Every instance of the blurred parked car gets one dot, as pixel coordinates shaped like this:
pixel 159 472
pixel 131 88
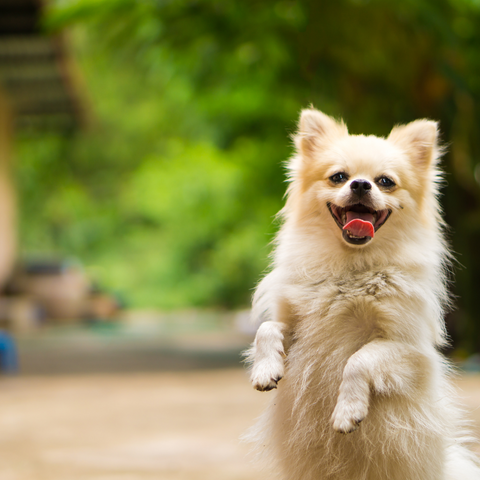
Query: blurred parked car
pixel 53 290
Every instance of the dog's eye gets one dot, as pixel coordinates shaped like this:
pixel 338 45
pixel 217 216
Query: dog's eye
pixel 385 182
pixel 339 177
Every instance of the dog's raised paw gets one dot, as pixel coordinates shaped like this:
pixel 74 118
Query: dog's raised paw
pixel 347 416
pixel 266 386
pixel 266 375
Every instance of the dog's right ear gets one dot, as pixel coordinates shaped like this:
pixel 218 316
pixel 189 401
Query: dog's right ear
pixel 315 131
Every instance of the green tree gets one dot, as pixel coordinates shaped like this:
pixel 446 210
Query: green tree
pixel 173 188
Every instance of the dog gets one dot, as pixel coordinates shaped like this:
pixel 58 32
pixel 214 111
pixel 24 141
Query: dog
pixel 353 311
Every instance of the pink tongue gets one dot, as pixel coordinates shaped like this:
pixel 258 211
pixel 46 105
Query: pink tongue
pixel 360 224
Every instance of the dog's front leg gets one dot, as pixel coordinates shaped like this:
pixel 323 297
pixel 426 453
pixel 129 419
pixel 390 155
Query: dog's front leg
pixel 267 354
pixel 381 367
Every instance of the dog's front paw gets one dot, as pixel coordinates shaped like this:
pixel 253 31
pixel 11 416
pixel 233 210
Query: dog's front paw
pixel 268 354
pixel 267 373
pixel 348 415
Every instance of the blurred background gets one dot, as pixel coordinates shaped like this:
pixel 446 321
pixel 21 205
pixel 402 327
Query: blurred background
pixel 141 150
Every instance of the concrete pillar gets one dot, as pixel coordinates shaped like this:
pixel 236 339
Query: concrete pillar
pixel 8 208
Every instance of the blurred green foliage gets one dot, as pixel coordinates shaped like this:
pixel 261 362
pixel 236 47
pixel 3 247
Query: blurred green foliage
pixel 171 191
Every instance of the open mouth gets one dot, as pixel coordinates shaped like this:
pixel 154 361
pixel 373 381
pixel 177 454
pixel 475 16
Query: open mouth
pixel 358 222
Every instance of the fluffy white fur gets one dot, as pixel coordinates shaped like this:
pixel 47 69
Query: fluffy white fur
pixel 354 329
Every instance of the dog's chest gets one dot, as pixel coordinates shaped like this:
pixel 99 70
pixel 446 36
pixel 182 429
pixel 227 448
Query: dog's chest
pixel 365 285
pixel 335 318
pixel 345 291
pixel 353 307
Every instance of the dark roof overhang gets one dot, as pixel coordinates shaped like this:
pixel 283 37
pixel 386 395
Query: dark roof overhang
pixel 35 71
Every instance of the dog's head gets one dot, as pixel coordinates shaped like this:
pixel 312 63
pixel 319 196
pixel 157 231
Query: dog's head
pixel 357 185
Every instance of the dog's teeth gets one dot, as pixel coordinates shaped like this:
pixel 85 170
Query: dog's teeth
pixel 352 236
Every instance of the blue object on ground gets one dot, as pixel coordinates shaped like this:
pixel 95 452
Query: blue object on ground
pixel 472 363
pixel 8 354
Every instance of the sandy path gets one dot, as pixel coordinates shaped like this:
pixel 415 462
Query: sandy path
pixel 168 426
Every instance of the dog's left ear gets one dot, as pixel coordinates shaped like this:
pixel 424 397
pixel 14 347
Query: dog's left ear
pixel 420 140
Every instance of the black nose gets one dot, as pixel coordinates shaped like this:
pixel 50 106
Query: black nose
pixel 360 187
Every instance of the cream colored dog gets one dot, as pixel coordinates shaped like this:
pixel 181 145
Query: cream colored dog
pixel 355 305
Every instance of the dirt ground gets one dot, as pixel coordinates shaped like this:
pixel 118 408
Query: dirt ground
pixel 168 426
